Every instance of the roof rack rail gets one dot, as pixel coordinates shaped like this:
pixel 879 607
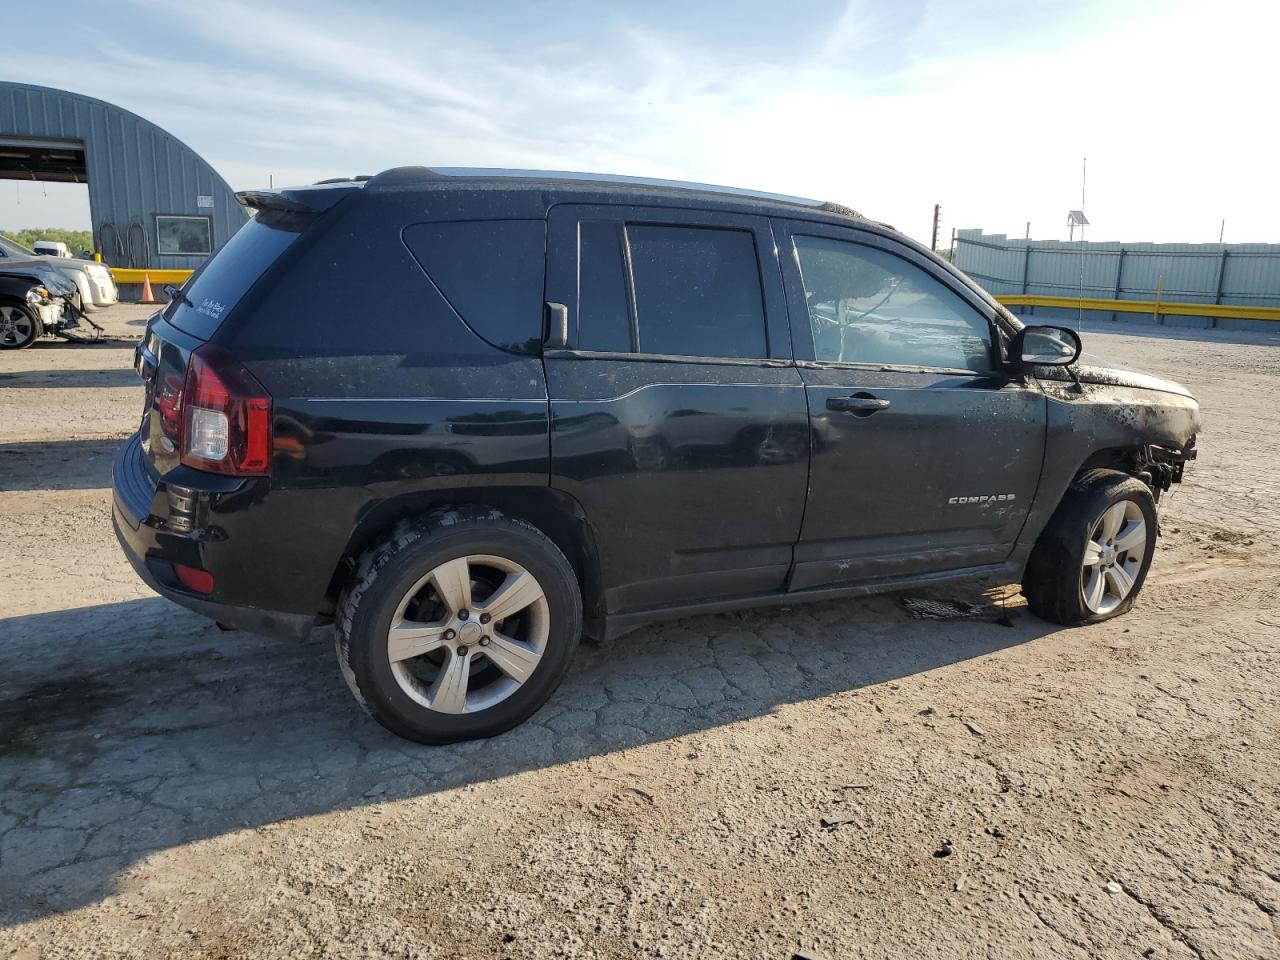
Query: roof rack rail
pixel 402 176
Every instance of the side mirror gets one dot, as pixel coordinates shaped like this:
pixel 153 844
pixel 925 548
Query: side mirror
pixel 1046 346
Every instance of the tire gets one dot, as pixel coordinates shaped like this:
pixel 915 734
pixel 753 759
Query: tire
pixel 506 667
pixel 1076 571
pixel 20 327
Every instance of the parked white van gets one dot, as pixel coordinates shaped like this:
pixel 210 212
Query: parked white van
pixel 51 248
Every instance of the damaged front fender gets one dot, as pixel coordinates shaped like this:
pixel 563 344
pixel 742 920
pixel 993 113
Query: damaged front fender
pixel 1103 417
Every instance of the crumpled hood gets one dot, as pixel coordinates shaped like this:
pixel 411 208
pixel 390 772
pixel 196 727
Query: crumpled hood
pixel 1092 369
pixel 56 280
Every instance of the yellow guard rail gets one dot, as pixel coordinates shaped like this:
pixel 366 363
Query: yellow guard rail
pixel 1156 308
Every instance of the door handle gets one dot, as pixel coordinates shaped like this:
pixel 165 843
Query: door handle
pixel 860 404
pixel 557 334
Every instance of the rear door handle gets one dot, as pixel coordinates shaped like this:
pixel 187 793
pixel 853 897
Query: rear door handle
pixel 860 404
pixel 557 334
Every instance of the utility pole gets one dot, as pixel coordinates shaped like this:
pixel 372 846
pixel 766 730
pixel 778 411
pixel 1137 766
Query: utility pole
pixel 1028 229
pixel 1222 230
pixel 937 214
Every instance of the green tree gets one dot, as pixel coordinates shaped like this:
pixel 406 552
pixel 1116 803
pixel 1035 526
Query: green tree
pixel 76 240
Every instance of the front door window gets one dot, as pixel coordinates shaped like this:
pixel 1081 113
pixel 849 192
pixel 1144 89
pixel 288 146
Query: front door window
pixel 867 305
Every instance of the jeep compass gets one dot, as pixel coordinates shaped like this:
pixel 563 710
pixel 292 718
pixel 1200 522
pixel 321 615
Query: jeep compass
pixel 467 416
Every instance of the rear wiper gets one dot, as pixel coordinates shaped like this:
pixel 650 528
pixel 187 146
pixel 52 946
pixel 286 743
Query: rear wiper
pixel 175 293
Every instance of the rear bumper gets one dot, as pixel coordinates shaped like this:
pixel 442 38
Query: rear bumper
pixel 152 549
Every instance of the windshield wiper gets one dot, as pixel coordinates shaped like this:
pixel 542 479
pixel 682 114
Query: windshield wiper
pixel 175 293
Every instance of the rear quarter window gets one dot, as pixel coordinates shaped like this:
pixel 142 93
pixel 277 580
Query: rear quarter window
pixel 222 280
pixel 491 272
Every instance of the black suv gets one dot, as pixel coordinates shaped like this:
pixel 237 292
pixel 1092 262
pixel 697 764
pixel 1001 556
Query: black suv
pixel 469 415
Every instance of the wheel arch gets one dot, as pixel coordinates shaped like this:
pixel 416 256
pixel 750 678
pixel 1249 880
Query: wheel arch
pixel 1057 480
pixel 555 513
pixel 1125 459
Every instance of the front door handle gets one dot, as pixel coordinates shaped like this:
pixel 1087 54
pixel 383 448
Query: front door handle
pixel 860 404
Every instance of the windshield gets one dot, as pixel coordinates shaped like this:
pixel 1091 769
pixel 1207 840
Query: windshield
pixel 12 249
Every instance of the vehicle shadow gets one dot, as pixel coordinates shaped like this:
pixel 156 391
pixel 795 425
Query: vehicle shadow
pixel 126 728
pixel 57 464
pixel 63 379
pixel 114 340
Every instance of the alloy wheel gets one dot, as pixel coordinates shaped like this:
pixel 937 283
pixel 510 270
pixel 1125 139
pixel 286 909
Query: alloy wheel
pixel 1113 556
pixel 16 326
pixel 468 634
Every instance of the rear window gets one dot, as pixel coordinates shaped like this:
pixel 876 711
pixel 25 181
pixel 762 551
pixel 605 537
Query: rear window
pixel 224 278
pixel 491 273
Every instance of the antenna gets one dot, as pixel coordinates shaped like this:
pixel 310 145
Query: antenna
pixel 1084 180
pixel 1077 218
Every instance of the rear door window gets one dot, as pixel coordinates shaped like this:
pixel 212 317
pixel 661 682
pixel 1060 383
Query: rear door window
pixel 604 310
pixel 697 291
pixel 491 272
pixel 224 279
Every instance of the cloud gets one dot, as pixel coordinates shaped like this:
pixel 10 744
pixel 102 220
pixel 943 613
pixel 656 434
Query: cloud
pixel 985 106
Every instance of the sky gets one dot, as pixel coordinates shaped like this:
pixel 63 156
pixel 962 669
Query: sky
pixel 986 107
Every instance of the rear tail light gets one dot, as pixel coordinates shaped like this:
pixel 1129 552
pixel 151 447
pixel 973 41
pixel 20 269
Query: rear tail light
pixel 227 426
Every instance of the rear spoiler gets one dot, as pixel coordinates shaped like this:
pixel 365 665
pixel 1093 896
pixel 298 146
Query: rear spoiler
pixel 312 199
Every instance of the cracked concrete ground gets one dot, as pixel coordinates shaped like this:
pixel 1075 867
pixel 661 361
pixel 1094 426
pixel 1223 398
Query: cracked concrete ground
pixel 869 778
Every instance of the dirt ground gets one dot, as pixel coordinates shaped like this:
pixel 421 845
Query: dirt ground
pixel 878 778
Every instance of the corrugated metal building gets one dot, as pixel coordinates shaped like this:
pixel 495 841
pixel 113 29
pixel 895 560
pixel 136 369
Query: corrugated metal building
pixel 1242 274
pixel 154 202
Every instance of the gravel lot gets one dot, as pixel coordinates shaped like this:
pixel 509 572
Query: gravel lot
pixel 880 778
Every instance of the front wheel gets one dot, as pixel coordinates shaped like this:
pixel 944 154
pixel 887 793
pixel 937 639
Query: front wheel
pixel 1092 558
pixel 19 327
pixel 460 626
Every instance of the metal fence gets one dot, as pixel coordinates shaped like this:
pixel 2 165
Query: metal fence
pixel 1245 275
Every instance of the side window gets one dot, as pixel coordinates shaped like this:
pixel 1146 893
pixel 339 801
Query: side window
pixel 697 291
pixel 868 306
pixel 604 316
pixel 491 272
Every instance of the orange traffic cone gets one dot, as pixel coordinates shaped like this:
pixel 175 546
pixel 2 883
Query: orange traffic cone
pixel 147 296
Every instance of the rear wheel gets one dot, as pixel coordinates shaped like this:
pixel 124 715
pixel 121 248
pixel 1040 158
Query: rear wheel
pixel 459 627
pixel 1092 559
pixel 19 326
